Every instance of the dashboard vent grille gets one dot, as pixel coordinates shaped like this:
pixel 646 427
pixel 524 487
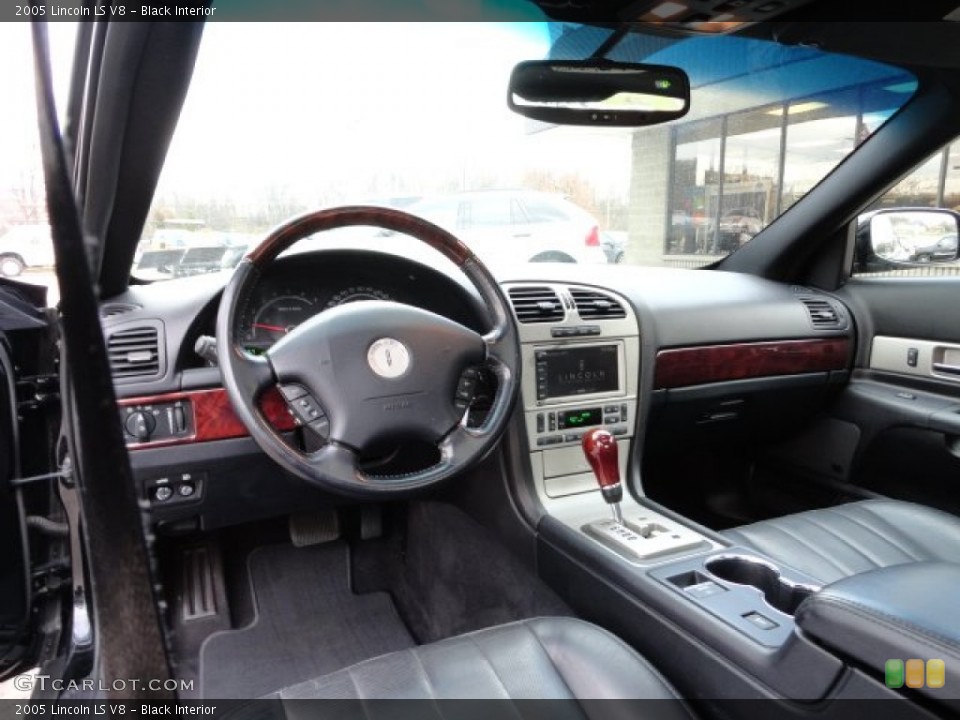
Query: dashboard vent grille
pixel 823 315
pixel 597 306
pixel 536 304
pixel 134 353
pixel 113 309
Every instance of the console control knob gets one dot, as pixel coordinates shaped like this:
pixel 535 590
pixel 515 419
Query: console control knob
pixel 141 425
pixel 600 447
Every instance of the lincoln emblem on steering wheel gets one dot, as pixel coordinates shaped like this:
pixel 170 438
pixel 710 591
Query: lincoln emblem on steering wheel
pixel 388 358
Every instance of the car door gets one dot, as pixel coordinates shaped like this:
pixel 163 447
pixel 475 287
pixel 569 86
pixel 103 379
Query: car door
pixel 32 565
pixel 895 429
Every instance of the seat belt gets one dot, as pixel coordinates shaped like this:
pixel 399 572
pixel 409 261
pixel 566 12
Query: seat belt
pixel 116 539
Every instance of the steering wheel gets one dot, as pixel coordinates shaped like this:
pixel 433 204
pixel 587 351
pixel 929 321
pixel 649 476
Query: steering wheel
pixel 365 371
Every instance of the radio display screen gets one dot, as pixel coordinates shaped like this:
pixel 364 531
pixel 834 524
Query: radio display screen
pixel 572 371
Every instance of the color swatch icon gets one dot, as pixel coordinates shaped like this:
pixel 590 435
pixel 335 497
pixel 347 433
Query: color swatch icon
pixel 936 674
pixel 894 673
pixel 914 673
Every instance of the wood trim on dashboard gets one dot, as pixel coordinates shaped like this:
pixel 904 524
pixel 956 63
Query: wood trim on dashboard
pixel 212 415
pixel 680 367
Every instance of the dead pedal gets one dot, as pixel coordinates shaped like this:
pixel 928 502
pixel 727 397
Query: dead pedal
pixel 314 528
pixel 201 584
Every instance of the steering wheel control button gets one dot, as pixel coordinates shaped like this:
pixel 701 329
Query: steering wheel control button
pixel 321 427
pixel 292 392
pixel 466 389
pixel 388 358
pixel 306 410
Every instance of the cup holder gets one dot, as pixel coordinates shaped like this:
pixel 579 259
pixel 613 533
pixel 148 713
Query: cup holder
pixel 779 592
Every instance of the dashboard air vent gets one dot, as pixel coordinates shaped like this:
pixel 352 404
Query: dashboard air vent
pixel 596 306
pixel 823 315
pixel 113 309
pixel 536 304
pixel 134 353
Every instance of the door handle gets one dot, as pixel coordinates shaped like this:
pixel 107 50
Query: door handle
pixel 946 368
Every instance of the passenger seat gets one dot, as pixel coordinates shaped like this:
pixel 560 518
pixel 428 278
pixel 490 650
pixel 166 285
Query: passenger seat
pixel 838 542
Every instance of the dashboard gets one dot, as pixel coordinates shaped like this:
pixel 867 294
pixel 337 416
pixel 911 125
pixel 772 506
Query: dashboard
pixel 639 350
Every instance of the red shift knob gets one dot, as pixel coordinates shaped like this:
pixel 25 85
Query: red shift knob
pixel 600 447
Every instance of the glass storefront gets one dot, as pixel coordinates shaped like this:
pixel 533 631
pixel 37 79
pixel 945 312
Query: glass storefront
pixel 733 175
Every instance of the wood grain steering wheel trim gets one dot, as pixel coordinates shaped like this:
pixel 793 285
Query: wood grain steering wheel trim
pixel 290 232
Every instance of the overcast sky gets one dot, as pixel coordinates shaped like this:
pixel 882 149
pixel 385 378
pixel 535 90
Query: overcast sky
pixel 18 117
pixel 332 112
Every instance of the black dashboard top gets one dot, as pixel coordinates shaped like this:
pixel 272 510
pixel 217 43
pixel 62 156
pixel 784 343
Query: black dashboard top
pixel 676 308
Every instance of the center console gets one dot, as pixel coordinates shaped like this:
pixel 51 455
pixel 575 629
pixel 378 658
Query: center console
pixel 678 592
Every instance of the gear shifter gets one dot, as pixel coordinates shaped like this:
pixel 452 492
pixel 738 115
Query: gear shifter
pixel 600 447
pixel 644 534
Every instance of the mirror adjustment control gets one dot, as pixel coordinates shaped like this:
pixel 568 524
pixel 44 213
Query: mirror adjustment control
pixel 176 489
pixel 162 493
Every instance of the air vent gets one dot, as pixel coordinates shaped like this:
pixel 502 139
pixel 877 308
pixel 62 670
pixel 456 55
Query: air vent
pixel 596 306
pixel 536 304
pixel 114 309
pixel 134 353
pixel 823 315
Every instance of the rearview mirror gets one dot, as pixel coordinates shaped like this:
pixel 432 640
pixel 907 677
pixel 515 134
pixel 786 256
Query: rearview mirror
pixel 900 237
pixel 598 92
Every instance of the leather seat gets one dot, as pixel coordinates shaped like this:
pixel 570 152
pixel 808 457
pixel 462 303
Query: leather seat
pixel 544 658
pixel 839 542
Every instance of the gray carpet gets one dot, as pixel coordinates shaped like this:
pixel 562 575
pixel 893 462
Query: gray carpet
pixel 308 623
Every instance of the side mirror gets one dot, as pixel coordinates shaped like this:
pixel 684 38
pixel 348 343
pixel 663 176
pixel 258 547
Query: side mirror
pixel 907 237
pixel 598 92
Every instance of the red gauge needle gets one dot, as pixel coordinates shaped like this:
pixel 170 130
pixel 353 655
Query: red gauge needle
pixel 272 328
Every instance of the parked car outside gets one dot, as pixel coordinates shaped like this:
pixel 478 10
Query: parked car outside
pixel 24 246
pixel 738 227
pixel 517 225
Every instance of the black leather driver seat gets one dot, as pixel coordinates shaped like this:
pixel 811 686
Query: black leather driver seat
pixel 839 542
pixel 543 658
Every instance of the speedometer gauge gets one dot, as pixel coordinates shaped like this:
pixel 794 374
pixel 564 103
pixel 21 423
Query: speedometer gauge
pixel 278 317
pixel 356 293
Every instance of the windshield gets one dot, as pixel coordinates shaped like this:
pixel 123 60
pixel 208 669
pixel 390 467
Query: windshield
pixel 284 118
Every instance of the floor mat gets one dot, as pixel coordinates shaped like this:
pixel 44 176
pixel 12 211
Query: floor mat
pixel 449 575
pixel 308 623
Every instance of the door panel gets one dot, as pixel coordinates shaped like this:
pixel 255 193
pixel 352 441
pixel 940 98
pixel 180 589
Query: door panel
pixel 905 394
pixel 14 579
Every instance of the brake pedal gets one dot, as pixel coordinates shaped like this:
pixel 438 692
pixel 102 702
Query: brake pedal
pixel 371 522
pixel 314 528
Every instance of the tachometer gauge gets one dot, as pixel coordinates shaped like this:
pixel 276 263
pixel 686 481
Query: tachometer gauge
pixel 356 293
pixel 277 317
